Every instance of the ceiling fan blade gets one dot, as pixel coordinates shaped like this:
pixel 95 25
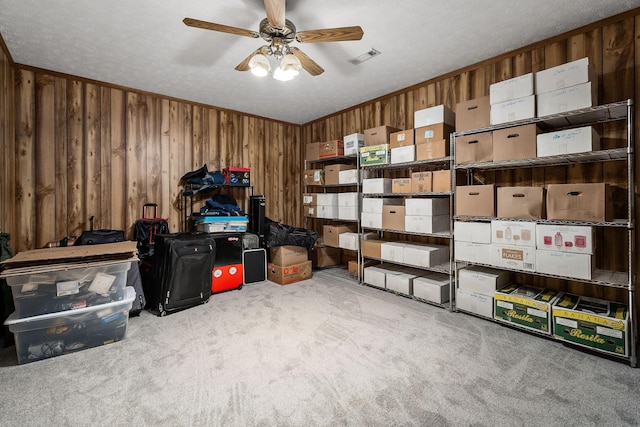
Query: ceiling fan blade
pixel 275 12
pixel 219 27
pixel 244 65
pixel 330 35
pixel 307 63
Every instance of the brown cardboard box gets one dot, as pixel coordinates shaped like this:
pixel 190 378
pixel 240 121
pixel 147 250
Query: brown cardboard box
pixel 476 200
pixel 325 256
pixel 372 248
pixel 331 233
pixel 312 151
pixel 473 114
pixel 520 202
pixel 378 135
pixel 313 177
pixel 433 132
pixel 332 173
pixel 393 217
pixel 401 139
pixel 515 143
pixel 401 185
pixel 288 255
pixel 333 148
pixel 580 202
pixel 310 211
pixel 441 181
pixel 353 267
pixel 474 148
pixel 421 182
pixel 432 149
pixel 310 199
pixel 289 274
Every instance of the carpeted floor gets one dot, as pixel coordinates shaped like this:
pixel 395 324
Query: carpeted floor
pixel 323 352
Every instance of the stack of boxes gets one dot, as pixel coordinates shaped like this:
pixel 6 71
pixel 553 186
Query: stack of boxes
pixel 288 264
pixel 567 87
pixel 476 288
pixel 426 215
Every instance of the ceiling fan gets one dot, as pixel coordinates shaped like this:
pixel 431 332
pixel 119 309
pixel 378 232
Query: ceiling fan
pixel 279 32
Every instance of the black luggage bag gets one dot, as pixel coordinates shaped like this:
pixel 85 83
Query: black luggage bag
pixel 146 229
pixel 97 237
pixel 181 272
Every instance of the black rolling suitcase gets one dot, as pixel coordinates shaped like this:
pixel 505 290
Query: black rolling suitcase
pixel 181 271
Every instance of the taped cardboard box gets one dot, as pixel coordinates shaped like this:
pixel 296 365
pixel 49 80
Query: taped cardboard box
pixel 441 181
pixel 331 233
pixel 476 200
pixel 310 211
pixel 288 255
pixel 378 135
pixel 325 256
pixel 332 173
pixel 525 306
pixel 432 150
pixel 433 132
pixel 476 148
pixel 353 267
pixel 312 151
pixel 285 275
pixel 313 177
pixel 580 202
pixel 421 182
pixel 330 149
pixel 310 199
pixel 520 202
pixel 393 218
pixel 401 139
pixel 372 248
pixel 515 143
pixel 401 185
pixel 473 114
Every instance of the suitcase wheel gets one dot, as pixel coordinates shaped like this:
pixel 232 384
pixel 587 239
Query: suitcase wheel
pixel 240 287
pixel 161 310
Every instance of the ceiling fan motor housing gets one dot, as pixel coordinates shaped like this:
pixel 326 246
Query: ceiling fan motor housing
pixel 268 32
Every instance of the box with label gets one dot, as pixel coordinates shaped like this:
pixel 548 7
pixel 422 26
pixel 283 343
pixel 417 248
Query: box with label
pixel 393 217
pixel 592 322
pixel 516 233
pixel 476 148
pixel 427 224
pixel 312 151
pixel 327 199
pixel 348 213
pixel 525 306
pixel 403 154
pixel 483 280
pixel 372 248
pixel 288 255
pixel 348 199
pixel 427 206
pixel 441 181
pixel 579 202
pixel 515 109
pixel 515 143
pixel 309 199
pixel 376 185
pixel 473 114
pixel 432 287
pixel 313 177
pixel 371 219
pixel 421 182
pixel 477 232
pixel 579 140
pixel 349 176
pixel 374 155
pixel 392 251
pixel 472 252
pixel 520 202
pixel 330 149
pixel 310 211
pixel 422 255
pixel 565 238
pixel 332 173
pixel 289 274
pixel 331 233
pixel 325 256
pixel 474 302
pixel 566 264
pixel 513 257
pixel 568 99
pixel 401 139
pixel 353 143
pixel 435 132
pixel 378 135
pixel 565 75
pixel 433 115
pixel 328 211
pixel 475 200
pixel 401 185
pixel 435 149
pixel 506 90
pixel 374 205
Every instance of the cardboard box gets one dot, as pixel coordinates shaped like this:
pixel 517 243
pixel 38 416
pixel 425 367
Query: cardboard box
pixel 401 139
pixel 378 135
pixel 473 114
pixel 579 202
pixel 435 149
pixel 433 115
pixel 376 186
pixel 441 181
pixel 310 211
pixel 330 149
pixel 309 199
pixel 425 255
pixel 516 109
pixel 312 151
pixel 353 143
pixel 349 176
pixel 483 280
pixel 371 219
pixel 433 132
pixel 328 211
pixel 288 255
pixel 332 173
pixel 348 213
pixel 403 154
pixel 516 233
pixel 351 241
pixel 374 155
pixel 313 177
pixel 517 87
pixel 565 75
pixel 476 232
pixel 426 224
pixel 421 182
pixel 592 322
pixel 331 233
pixel 525 306
pixel 476 148
pixel 374 205
pixel 327 199
pixel 353 267
pixel 428 207
pixel 401 185
pixel 392 251
pixel 566 264
pixel 579 140
pixel 473 302
pixel 520 202
pixel 325 256
pixel 433 287
pixel 401 282
pixel 393 218
pixel 348 199
pixel 289 274
pixel 377 275
pixel 568 99
pixel 472 252
pixel 565 238
pixel 475 200
pixel 515 143
pixel 372 248
pixel 513 257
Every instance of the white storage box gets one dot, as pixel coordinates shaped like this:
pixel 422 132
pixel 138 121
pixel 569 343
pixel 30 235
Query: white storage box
pixel 517 87
pixel 579 266
pixel 565 238
pixel 376 275
pixel 328 212
pixel 374 204
pixel 352 143
pixel 476 232
pixel 429 207
pixel 352 240
pixel 53 334
pixel 422 255
pixel 483 280
pixel 565 75
pixel 401 281
pixel 579 140
pixel 376 186
pixel 473 252
pixel 348 213
pixel 403 154
pixel 348 199
pixel 392 251
pixel 432 287
pixel 426 224
pixel 474 302
pixel 349 176
pixel 371 220
pixel 516 109
pixel 327 199
pixel 568 99
pixel 514 257
pixel 516 233
pixel 434 115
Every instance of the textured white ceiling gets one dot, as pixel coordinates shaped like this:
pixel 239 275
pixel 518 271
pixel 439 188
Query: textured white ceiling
pixel 143 44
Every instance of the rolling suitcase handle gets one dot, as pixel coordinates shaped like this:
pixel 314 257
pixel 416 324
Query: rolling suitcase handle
pixel 149 205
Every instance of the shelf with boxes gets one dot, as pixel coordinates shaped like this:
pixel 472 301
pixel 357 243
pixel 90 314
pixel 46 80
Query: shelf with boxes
pixel 556 231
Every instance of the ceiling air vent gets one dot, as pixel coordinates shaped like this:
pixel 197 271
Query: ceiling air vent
pixel 365 56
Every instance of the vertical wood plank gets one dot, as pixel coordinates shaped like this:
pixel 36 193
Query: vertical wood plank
pixel 105 157
pixel 118 155
pixel 91 122
pixel 164 202
pixel 76 184
pixel 136 143
pixel 154 153
pixel 45 160
pixel 61 158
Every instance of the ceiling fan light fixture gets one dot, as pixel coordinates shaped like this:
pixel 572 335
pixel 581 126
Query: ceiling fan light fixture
pixel 282 75
pixel 259 65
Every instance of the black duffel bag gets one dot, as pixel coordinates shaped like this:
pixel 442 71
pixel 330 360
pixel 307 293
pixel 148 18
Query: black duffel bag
pixel 98 237
pixel 278 234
